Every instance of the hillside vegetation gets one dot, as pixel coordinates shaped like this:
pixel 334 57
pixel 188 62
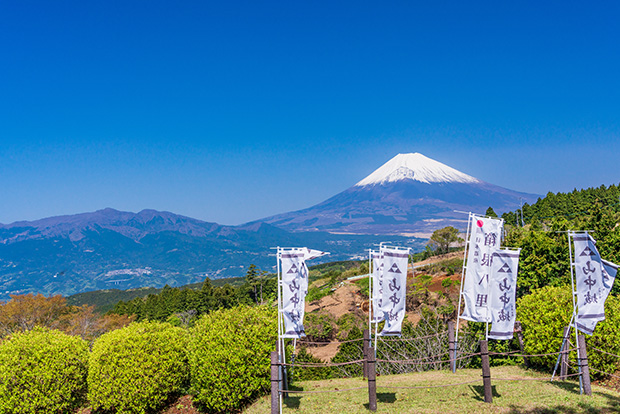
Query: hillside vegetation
pixel 105 300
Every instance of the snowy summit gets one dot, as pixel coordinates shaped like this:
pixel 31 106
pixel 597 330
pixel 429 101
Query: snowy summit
pixel 415 167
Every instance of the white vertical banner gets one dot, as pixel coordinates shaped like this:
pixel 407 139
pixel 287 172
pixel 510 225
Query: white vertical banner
pixel 609 271
pixel 377 285
pixel 309 254
pixel 395 262
pixel 484 240
pixel 293 293
pixel 594 279
pixel 294 274
pixel 503 293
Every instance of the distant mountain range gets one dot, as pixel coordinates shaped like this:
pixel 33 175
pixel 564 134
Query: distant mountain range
pixel 113 249
pixel 410 193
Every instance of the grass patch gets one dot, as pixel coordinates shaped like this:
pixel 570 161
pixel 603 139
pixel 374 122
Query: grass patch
pixel 513 397
pixel 448 266
pixel 362 284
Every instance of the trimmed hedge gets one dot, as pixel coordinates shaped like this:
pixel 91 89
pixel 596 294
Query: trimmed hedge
pixel 137 368
pixel 229 357
pixel 42 371
pixel 544 314
pixel 607 338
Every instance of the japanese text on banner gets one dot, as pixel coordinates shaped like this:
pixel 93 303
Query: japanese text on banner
pixel 395 264
pixel 484 241
pixel 503 293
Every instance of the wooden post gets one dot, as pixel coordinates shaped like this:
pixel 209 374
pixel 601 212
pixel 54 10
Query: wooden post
pixel 583 363
pixel 519 333
pixel 564 357
pixel 275 383
pixel 372 380
pixel 366 344
pixel 451 346
pixel 486 371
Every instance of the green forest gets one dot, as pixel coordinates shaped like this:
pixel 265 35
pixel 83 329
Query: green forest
pixel 543 237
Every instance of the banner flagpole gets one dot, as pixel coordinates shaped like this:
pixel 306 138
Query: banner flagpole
pixel 486 327
pixel 488 316
pixel 280 321
pixel 486 333
pixel 377 322
pixel 458 310
pixel 573 294
pixel 370 294
pixel 376 336
pixel 278 255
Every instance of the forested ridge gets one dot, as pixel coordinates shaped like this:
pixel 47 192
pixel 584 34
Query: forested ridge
pixel 105 300
pixel 567 205
pixel 542 234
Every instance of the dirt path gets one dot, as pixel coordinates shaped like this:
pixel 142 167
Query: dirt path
pixel 345 299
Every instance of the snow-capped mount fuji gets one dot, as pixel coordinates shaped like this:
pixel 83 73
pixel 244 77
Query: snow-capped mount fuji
pixel 410 193
pixel 415 167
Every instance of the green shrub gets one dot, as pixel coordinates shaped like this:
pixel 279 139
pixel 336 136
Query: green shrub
pixel 360 269
pixel 543 314
pixel 137 368
pixel 347 352
pixel 362 284
pixel 229 356
pixel 446 283
pixel 449 266
pixel 607 338
pixel 476 331
pixel 42 371
pixel 309 373
pixel 348 321
pixel 317 293
pixel 319 326
pixel 546 312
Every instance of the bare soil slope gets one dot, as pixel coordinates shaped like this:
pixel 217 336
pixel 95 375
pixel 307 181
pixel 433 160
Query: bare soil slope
pixel 347 298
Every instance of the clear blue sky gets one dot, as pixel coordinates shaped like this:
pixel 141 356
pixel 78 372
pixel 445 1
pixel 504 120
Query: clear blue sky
pixel 231 111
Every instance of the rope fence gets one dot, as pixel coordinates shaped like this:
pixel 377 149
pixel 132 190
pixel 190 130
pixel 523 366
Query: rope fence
pixel 424 359
pixel 531 355
pixel 321 391
pixel 417 338
pixel 330 342
pixel 545 379
pixel 603 372
pixel 440 359
pixel 427 386
pixel 326 364
pixel 605 352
